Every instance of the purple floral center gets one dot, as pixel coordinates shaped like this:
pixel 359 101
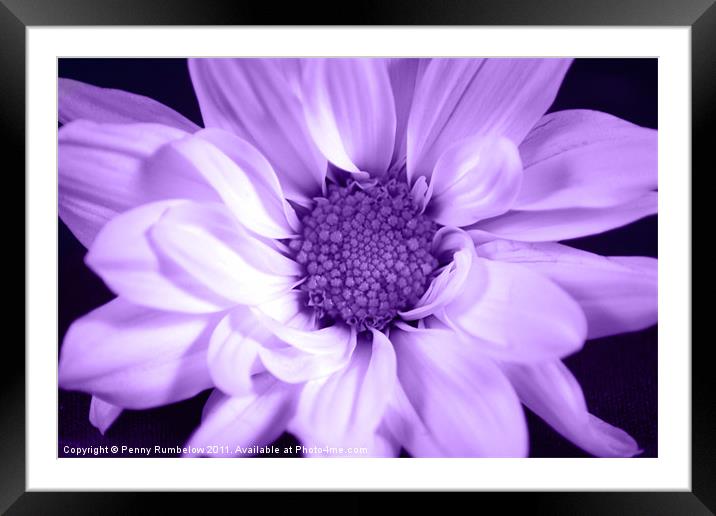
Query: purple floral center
pixel 366 253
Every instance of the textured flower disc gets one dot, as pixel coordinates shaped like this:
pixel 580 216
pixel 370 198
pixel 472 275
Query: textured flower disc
pixel 366 253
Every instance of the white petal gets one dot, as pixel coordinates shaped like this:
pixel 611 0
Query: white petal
pixel 207 243
pixel 563 224
pixel 464 400
pixel 79 100
pixel 291 365
pixel 288 309
pixel 256 419
pixel 134 357
pixel 325 340
pixel 587 159
pixel 103 414
pixel 552 392
pixel 617 294
pixel 126 259
pixel 404 75
pixel 350 112
pixel 260 171
pixel 247 342
pixel 515 314
pixel 259 100
pixel 404 422
pixel 295 351
pixel 233 352
pixel 194 168
pixel 456 98
pixel 474 179
pixel 450 282
pixel 346 408
pixel 99 167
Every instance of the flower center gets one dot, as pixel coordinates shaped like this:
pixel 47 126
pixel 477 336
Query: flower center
pixel 366 253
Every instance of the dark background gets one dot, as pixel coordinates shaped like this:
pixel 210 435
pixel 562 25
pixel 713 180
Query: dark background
pixel 618 374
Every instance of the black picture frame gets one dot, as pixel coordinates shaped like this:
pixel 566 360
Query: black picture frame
pixel 700 15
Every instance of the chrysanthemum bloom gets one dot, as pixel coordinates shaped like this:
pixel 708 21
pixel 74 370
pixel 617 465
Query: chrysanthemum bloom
pixel 361 252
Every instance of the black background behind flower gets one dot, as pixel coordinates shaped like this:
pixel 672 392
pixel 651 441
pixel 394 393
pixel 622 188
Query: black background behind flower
pixel 618 374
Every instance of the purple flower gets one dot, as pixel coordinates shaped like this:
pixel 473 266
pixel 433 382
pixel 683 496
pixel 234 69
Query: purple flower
pixel 361 252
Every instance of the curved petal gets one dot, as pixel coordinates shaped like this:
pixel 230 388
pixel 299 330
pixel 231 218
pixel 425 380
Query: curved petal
pixel 79 100
pixel 325 340
pixel 564 224
pixel 514 314
pixel 134 357
pixel 260 171
pixel 464 400
pixel 294 366
pixel 99 168
pixel 552 392
pixel 346 408
pixel 103 414
pixel 456 98
pixel 124 256
pixel 259 101
pixel 297 352
pixel 242 423
pixel 291 365
pixel 350 112
pixel 586 159
pixel 617 294
pixel 247 342
pixel 207 243
pixel 233 352
pixel 474 179
pixel 233 356
pixel 194 168
pixel 450 282
pixel 287 310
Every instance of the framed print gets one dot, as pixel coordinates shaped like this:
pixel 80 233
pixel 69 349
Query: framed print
pixel 436 250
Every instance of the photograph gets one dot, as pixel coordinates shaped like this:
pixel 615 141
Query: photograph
pixel 357 257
